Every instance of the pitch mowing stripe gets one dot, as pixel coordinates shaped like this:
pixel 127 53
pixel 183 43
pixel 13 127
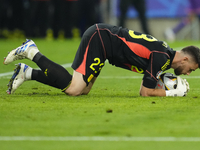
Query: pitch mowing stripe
pixel 100 138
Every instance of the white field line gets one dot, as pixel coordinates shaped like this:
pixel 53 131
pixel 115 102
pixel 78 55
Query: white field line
pixel 68 65
pixel 99 138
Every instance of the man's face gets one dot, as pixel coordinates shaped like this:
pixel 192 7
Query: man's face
pixel 178 71
pixel 186 68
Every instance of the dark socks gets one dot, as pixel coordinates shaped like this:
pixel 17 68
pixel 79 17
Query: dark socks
pixel 51 73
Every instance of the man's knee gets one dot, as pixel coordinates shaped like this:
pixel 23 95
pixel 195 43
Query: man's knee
pixel 73 92
pixel 77 85
pixel 76 92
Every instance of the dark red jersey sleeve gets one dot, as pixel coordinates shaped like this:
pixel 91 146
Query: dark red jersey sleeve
pixel 158 63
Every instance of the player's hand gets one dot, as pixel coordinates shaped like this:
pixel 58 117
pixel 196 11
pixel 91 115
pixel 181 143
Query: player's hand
pixel 187 85
pixel 182 85
pixel 181 90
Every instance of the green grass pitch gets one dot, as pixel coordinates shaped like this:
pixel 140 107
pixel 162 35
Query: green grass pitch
pixel 113 116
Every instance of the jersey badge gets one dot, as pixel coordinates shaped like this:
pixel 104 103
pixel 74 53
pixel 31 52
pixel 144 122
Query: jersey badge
pixel 158 74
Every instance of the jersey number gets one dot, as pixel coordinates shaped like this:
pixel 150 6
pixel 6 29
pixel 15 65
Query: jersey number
pixel 142 36
pixel 96 63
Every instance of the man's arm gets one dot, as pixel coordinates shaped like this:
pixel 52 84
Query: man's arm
pixel 151 92
pixel 181 90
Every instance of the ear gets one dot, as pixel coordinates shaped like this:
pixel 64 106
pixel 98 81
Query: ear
pixel 185 58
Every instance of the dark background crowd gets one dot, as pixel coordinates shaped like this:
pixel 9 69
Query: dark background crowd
pixel 47 18
pixel 61 19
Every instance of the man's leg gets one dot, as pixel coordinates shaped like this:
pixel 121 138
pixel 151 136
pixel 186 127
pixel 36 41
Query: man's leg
pixel 78 85
pixel 140 6
pixel 123 9
pixel 88 62
pixel 52 74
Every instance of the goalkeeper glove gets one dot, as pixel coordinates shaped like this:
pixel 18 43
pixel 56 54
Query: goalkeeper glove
pixel 181 90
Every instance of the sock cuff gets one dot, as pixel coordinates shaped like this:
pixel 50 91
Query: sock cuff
pixel 37 57
pixel 28 73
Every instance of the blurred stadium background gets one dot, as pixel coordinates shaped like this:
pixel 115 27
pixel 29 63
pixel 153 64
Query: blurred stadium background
pixel 54 19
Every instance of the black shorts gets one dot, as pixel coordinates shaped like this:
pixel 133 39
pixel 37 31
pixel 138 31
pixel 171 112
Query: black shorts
pixel 91 54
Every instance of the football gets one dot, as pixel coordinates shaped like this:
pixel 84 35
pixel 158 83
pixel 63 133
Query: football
pixel 167 81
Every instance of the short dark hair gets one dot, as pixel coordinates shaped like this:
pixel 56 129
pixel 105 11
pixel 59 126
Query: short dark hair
pixel 194 52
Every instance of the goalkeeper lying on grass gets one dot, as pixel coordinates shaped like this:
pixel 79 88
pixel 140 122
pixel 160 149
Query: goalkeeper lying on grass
pixel 123 48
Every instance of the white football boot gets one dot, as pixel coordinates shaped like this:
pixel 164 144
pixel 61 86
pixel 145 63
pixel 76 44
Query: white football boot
pixel 18 77
pixel 27 50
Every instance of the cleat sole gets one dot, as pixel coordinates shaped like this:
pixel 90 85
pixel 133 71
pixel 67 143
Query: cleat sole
pixel 16 72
